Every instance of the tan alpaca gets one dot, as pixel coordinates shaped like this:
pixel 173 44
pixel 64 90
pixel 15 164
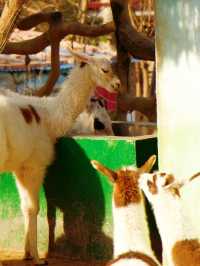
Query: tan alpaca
pixel 130 233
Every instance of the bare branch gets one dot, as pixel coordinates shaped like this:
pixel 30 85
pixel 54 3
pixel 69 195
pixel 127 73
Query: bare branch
pixel 31 46
pixel 55 62
pixel 37 44
pixel 54 74
pixel 129 41
pixel 146 106
pixel 57 31
pixel 136 43
pixel 36 19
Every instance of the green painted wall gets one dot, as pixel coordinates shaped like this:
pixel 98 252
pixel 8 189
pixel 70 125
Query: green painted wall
pixel 83 196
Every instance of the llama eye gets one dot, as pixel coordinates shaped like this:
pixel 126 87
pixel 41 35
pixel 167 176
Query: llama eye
pixel 105 70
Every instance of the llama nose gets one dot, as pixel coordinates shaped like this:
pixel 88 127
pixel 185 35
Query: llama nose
pixel 116 85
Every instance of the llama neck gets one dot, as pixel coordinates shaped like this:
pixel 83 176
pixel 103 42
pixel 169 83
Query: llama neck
pixel 71 101
pixel 130 229
pixel 173 223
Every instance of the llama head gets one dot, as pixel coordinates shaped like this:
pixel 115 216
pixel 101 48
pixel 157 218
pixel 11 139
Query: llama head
pixel 94 120
pixel 102 124
pixel 125 181
pixel 159 184
pixel 100 70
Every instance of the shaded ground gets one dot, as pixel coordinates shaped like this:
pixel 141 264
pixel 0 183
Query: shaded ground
pixel 15 259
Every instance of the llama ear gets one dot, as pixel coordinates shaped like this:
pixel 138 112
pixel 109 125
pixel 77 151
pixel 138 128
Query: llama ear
pixel 80 56
pixel 105 170
pixel 175 191
pixel 168 180
pixel 194 176
pixel 152 187
pixel 147 166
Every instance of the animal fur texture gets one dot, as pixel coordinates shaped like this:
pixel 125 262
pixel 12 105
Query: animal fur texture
pixel 130 232
pixel 30 126
pixel 181 246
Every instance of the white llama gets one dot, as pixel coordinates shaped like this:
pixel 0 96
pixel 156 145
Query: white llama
pixel 29 127
pixel 181 246
pixel 130 233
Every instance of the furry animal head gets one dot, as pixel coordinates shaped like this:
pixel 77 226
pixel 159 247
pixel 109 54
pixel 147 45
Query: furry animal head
pixel 101 70
pixel 157 184
pixel 160 183
pixel 102 122
pixel 125 181
pixel 94 120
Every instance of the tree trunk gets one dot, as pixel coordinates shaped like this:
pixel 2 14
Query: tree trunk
pixel 129 41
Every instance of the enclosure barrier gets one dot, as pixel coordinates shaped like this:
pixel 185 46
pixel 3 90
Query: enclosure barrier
pixel 84 218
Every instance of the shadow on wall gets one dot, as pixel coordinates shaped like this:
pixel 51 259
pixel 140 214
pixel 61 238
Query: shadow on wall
pixel 73 186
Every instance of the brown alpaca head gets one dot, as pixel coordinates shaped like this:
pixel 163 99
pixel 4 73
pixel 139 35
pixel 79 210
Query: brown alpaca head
pixel 125 181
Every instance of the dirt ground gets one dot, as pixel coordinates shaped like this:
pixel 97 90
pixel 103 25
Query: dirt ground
pixel 16 259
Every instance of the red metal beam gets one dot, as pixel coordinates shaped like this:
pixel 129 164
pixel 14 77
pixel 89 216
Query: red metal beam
pixel 96 5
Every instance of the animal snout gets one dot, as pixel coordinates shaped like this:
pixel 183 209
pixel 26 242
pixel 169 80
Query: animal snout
pixel 98 125
pixel 116 85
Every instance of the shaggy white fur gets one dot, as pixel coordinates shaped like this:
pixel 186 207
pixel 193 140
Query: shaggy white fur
pixel 29 127
pixel 172 220
pixel 130 232
pixel 129 262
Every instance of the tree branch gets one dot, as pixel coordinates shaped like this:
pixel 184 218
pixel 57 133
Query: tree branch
pixel 39 43
pixel 122 55
pixel 55 61
pixel 146 106
pixel 36 19
pixel 136 43
pixel 56 32
pixel 129 41
pixel 31 46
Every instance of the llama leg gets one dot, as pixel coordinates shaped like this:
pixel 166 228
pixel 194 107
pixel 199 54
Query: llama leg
pixel 29 193
pixel 27 255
